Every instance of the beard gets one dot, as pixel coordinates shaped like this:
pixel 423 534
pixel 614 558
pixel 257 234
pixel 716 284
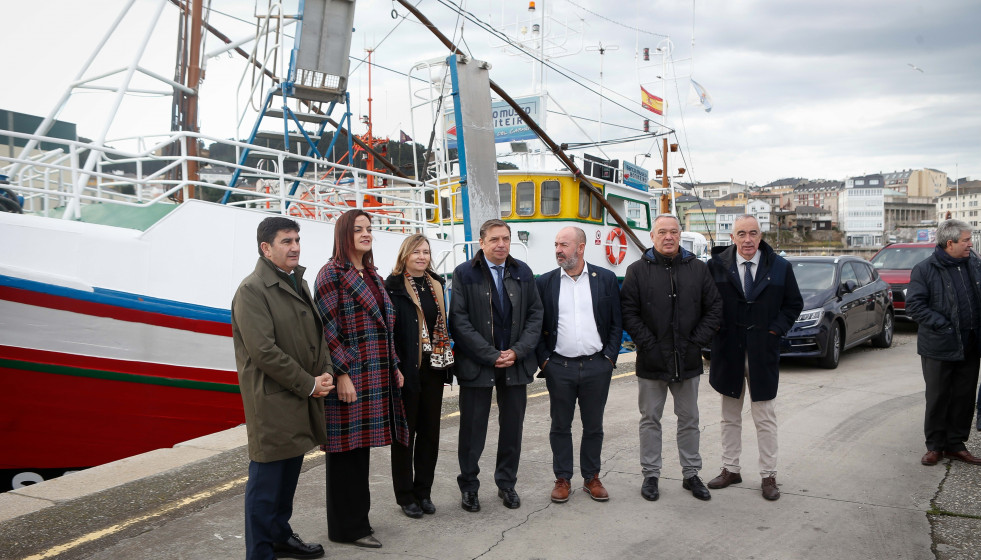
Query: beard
pixel 569 263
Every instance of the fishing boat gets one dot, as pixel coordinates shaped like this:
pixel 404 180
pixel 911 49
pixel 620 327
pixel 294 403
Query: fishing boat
pixel 116 281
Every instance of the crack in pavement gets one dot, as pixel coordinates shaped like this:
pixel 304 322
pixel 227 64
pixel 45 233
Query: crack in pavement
pixel 504 532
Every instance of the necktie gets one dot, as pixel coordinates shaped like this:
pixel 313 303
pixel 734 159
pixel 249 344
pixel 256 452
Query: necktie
pixel 748 279
pixel 293 281
pixel 499 270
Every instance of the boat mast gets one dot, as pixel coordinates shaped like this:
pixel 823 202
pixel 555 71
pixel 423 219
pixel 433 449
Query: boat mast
pixel 189 73
pixel 532 124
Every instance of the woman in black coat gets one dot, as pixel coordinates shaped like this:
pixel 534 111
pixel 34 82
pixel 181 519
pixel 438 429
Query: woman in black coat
pixel 423 347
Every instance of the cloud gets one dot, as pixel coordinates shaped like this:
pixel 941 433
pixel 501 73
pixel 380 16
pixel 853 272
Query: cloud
pixel 805 88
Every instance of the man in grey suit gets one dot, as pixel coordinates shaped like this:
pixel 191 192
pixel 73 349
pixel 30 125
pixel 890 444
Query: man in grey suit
pixel 284 372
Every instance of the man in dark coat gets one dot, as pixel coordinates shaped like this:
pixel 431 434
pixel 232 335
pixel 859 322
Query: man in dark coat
pixel 671 310
pixel 284 372
pixel 495 321
pixel 578 351
pixel 943 298
pixel 761 302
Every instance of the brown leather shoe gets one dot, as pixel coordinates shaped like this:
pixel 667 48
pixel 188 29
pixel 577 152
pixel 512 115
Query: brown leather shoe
pixel 560 494
pixel 931 458
pixel 769 486
pixel 595 489
pixel 725 479
pixel 962 456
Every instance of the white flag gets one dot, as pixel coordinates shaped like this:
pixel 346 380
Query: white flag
pixel 698 96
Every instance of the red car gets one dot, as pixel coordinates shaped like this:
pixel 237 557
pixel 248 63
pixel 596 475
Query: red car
pixel 894 262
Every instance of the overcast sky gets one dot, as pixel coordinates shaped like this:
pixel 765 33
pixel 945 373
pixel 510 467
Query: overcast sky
pixel 825 89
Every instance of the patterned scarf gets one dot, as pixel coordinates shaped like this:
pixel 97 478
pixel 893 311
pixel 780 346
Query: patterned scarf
pixel 437 345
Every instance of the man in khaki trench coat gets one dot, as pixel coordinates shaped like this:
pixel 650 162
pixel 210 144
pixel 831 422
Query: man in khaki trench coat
pixel 284 372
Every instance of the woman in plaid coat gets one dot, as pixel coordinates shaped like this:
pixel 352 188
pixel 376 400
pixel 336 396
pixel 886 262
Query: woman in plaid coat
pixel 366 409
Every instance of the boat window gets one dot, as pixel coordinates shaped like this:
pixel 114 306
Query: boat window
pixel 430 198
pixel 637 214
pixel 444 205
pixel 526 198
pixel 505 194
pixel 583 202
pixel 597 213
pixel 550 198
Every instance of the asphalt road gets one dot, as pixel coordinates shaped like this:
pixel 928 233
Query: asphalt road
pixel 849 473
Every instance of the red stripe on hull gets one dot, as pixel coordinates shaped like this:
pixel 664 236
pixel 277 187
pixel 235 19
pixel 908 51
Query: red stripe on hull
pixel 169 371
pixel 51 421
pixel 49 301
pixel 229 377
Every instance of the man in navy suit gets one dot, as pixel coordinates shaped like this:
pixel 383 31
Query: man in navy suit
pixel 578 350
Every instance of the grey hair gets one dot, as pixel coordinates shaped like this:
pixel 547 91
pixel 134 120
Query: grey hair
pixel 579 234
pixel 951 230
pixel 672 216
pixel 747 217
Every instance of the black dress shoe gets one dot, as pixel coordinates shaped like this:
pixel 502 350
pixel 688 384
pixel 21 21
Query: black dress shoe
pixel 470 502
pixel 294 547
pixel 412 510
pixel 427 506
pixel 697 488
pixel 649 489
pixel 510 498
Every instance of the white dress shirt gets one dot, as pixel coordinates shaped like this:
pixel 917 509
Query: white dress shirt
pixel 576 334
pixel 741 265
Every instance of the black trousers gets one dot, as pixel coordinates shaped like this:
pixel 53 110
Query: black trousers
pixel 269 505
pixel 348 495
pixel 474 413
pixel 950 400
pixel 422 411
pixel 586 380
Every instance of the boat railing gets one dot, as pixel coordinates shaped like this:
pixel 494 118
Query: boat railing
pixel 158 172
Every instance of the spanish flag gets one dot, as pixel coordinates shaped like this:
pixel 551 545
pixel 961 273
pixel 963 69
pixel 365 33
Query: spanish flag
pixel 650 102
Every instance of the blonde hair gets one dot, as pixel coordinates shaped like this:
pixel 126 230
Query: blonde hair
pixel 405 251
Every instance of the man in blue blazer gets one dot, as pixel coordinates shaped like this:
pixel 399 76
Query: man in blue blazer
pixel 578 350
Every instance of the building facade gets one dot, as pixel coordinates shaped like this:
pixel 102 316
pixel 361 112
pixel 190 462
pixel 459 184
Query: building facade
pixel 718 190
pixel 861 215
pixel 819 194
pixel 725 216
pixel 962 203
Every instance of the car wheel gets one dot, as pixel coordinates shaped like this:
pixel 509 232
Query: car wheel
pixel 884 338
pixel 832 353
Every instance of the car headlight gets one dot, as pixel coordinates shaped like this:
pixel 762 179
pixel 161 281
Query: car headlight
pixel 809 318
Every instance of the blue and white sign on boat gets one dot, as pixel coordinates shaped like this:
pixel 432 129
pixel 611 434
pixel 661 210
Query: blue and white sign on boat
pixel 508 126
pixel 634 176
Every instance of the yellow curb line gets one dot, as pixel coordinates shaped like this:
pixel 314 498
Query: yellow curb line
pixel 96 535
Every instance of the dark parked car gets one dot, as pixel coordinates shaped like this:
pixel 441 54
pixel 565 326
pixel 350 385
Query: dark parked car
pixel 894 263
pixel 845 304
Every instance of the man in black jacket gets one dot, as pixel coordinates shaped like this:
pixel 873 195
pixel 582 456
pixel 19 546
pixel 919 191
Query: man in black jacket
pixel 495 321
pixel 578 351
pixel 671 309
pixel 761 302
pixel 943 298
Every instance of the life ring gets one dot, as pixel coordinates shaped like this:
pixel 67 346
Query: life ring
pixel 616 255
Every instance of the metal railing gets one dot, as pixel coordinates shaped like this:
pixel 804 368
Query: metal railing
pixel 156 172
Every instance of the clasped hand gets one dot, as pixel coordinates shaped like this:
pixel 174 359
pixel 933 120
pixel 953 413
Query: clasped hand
pixel 323 384
pixel 506 359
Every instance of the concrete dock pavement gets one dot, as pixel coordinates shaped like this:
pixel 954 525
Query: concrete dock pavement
pixel 849 473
